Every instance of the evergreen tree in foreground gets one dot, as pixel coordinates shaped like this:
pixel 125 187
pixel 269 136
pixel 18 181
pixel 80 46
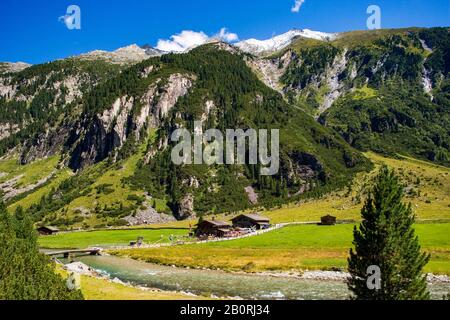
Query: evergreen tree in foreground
pixel 386 239
pixel 25 273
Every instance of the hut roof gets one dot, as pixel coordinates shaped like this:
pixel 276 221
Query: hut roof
pixel 217 223
pixel 54 229
pixel 255 217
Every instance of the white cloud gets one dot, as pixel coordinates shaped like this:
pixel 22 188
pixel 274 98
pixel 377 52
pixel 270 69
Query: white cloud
pixel 297 5
pixel 182 41
pixel 188 39
pixel 227 36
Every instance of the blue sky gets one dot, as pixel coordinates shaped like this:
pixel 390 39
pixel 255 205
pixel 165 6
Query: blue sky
pixel 31 31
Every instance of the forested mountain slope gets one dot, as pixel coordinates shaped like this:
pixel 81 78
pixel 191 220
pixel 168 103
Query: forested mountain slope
pixel 86 142
pixel 383 90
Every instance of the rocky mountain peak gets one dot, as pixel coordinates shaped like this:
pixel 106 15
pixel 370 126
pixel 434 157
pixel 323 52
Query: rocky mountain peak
pixel 125 55
pixel 13 66
pixel 279 42
pixel 150 51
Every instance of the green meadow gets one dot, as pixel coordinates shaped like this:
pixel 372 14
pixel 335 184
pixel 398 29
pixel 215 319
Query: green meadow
pixel 84 239
pixel 293 248
pixel 30 173
pixel 101 289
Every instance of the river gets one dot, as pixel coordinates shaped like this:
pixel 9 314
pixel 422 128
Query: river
pixel 223 284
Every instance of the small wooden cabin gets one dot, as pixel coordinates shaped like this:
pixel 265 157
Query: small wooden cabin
pixel 47 230
pixel 328 220
pixel 251 221
pixel 212 228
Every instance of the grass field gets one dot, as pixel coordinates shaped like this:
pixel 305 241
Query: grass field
pixel 36 196
pixel 107 238
pixel 119 192
pixel 30 173
pixel 100 289
pixel 364 93
pixel 296 247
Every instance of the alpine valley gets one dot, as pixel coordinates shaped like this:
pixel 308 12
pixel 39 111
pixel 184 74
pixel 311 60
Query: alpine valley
pixel 85 141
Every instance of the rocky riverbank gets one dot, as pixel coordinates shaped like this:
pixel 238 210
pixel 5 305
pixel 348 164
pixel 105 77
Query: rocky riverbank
pixel 117 288
pixel 335 275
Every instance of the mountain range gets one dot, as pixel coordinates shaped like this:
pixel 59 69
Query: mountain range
pixel 97 125
pixel 136 53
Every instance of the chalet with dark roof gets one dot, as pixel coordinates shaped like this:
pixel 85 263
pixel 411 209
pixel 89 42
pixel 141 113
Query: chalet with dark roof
pixel 254 220
pixel 47 230
pixel 212 228
pixel 328 220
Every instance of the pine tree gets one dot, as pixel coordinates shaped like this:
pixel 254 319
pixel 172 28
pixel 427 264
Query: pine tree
pixel 25 273
pixel 386 239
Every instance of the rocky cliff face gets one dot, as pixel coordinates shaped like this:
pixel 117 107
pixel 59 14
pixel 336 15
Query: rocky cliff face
pixel 105 133
pixel 44 145
pixel 323 82
pixel 270 70
pixel 331 80
pixel 44 104
pixel 6 129
pixel 186 207
pixel 108 131
pixel 303 168
pixel 160 104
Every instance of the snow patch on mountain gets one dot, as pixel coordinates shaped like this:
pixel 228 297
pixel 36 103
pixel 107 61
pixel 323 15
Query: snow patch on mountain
pixel 281 41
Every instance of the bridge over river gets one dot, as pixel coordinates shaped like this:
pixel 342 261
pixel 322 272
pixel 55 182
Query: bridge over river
pixel 72 252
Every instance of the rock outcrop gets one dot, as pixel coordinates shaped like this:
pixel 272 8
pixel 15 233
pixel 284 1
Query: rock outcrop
pixel 11 188
pixel 7 129
pixel 126 55
pixel 335 87
pixel 45 144
pixel 13 67
pixel 109 130
pixel 186 207
pixel 302 167
pixel 148 216
pixel 270 70
pixel 251 194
